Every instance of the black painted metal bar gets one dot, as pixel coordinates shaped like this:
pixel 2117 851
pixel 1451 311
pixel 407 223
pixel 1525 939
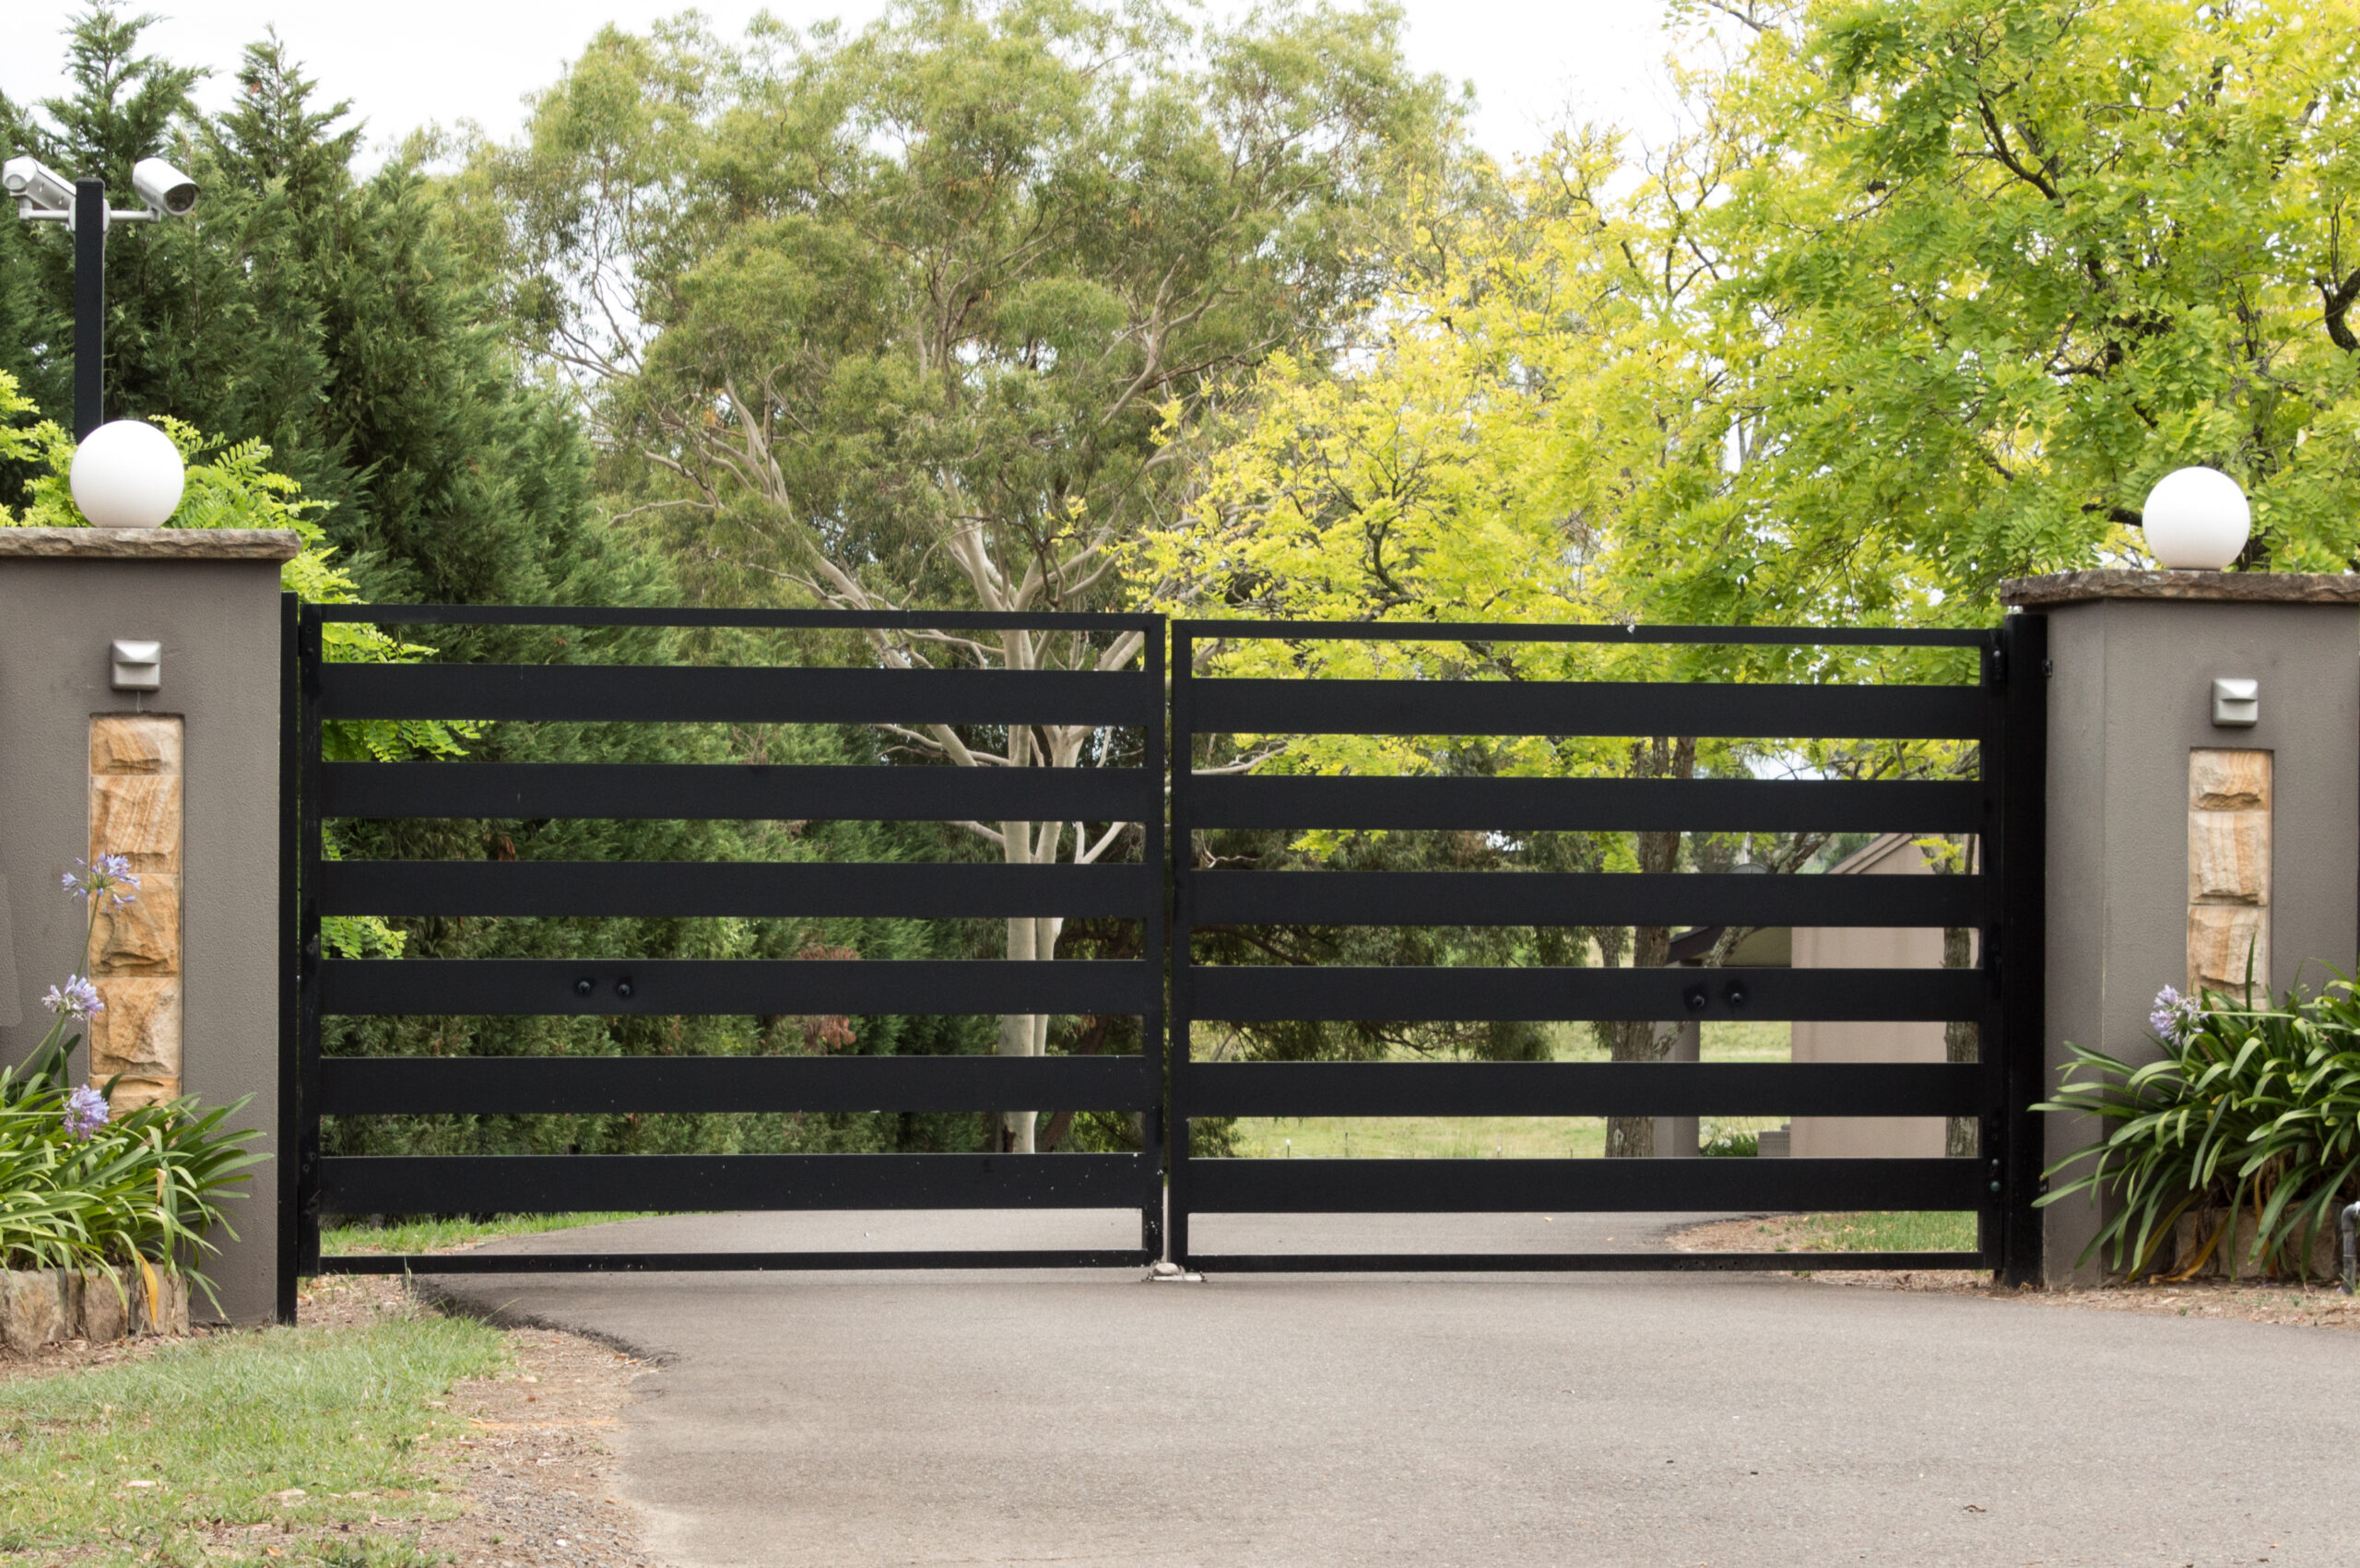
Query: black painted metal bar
pixel 1253 992
pixel 1575 1262
pixel 1583 1088
pixel 311 854
pixel 1492 1186
pixel 1543 897
pixel 1572 707
pixel 1486 631
pixel 517 1086
pixel 726 694
pixel 514 987
pixel 562 1184
pixel 747 791
pixel 823 620
pixel 724 1262
pixel 1180 1084
pixel 287 1136
pixel 1724 805
pixel 670 889
pixel 2018 942
pixel 1154 855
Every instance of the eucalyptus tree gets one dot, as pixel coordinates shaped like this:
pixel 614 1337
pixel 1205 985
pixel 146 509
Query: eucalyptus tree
pixel 927 314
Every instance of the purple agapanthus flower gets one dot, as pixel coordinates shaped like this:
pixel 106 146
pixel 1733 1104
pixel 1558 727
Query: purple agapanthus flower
pixel 106 877
pixel 86 1112
pixel 77 996
pixel 2175 1017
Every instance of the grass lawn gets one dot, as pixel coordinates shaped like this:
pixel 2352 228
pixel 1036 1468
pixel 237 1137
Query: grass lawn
pixel 1510 1137
pixel 246 1448
pixel 1872 1233
pixel 444 1235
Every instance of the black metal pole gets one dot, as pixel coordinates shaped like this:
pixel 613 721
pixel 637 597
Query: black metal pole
pixel 89 305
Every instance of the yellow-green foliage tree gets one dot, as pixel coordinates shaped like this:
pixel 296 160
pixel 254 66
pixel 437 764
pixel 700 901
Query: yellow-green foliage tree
pixel 1997 267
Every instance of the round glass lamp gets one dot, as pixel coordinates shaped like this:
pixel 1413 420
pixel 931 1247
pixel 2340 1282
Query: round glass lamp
pixel 2196 518
pixel 127 475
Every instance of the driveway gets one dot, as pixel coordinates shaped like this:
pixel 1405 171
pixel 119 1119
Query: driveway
pixel 845 1420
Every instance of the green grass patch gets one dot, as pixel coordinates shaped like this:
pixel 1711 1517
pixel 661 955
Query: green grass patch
pixel 1419 1137
pixel 1938 1231
pixel 132 1463
pixel 445 1235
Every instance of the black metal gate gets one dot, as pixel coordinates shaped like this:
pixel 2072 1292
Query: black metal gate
pixel 323 692
pixel 2002 712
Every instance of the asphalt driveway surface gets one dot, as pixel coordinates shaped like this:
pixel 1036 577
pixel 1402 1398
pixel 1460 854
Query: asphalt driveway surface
pixel 849 1420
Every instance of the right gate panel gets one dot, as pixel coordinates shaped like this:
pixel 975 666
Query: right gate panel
pixel 1434 876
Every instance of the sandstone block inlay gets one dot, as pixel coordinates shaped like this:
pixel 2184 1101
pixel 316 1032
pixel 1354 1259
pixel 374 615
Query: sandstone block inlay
pixel 135 743
pixel 138 816
pixel 2228 869
pixel 135 763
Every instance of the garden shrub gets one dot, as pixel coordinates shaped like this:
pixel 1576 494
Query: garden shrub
pixel 2253 1107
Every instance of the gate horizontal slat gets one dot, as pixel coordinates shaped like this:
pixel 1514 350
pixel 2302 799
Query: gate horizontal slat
pixel 1491 1186
pixel 1253 992
pixel 670 889
pixel 734 791
pixel 1615 708
pixel 1545 897
pixel 727 694
pixel 1582 1089
pixel 572 1183
pixel 1486 631
pixel 518 1086
pixel 518 987
pixel 1726 806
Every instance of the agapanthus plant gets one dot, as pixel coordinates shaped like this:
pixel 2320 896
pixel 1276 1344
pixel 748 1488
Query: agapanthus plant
pixel 82 1186
pixel 107 882
pixel 2251 1108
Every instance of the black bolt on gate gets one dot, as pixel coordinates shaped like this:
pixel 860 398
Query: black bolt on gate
pixel 2002 712
pixel 319 692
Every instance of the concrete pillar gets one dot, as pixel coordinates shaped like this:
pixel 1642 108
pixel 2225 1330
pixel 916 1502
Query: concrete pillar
pixel 185 780
pixel 2174 839
pixel 1676 1135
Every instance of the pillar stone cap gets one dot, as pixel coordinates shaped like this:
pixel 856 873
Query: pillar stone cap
pixel 150 544
pixel 2214 587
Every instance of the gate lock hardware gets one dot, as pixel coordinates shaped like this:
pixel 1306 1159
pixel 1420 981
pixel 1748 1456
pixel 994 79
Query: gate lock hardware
pixel 1696 998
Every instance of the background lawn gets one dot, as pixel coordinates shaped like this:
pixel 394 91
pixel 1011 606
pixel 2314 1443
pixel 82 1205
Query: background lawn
pixel 174 1457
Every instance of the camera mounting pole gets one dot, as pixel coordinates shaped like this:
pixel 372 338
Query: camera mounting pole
pixel 90 306
pixel 42 195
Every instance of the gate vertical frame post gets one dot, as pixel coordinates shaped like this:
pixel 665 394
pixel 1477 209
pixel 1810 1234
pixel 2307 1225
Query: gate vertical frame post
pixel 1992 1035
pixel 308 856
pixel 1177 1134
pixel 289 1137
pixel 2022 895
pixel 1152 1030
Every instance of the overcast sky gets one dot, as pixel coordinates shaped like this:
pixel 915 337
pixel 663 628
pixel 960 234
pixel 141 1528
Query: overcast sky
pixel 405 63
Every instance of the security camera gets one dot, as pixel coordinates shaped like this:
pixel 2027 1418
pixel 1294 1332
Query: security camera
pixel 34 184
pixel 164 188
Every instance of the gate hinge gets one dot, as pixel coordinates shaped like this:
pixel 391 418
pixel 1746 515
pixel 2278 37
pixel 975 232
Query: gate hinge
pixel 1995 667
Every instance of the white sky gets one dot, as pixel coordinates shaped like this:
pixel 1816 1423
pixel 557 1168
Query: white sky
pixel 1534 63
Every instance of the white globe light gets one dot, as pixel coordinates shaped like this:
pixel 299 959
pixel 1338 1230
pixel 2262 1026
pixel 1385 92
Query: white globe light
pixel 127 475
pixel 2196 518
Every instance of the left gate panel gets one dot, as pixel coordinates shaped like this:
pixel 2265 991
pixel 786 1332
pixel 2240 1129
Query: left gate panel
pixel 498 933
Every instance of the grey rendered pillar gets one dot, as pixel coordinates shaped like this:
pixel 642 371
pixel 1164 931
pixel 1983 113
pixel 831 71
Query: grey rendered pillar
pixel 211 599
pixel 2133 657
